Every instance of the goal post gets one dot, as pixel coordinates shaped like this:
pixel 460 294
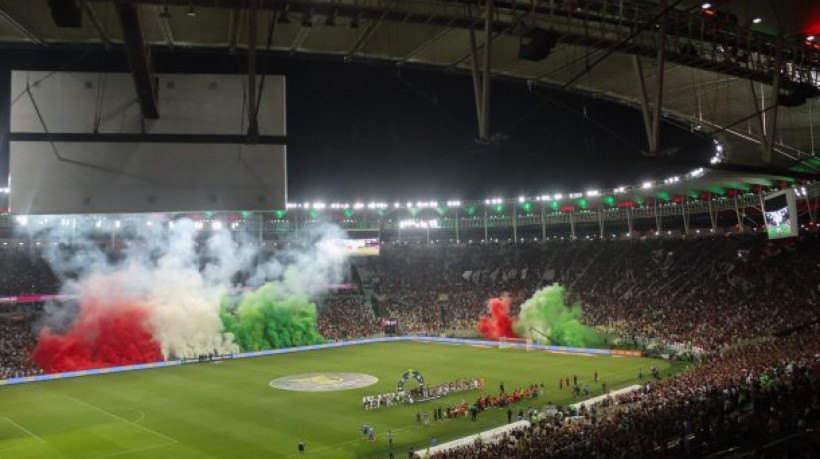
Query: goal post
pixel 520 343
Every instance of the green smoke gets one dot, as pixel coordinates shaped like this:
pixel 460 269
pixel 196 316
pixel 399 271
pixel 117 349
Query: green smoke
pixel 267 319
pixel 547 313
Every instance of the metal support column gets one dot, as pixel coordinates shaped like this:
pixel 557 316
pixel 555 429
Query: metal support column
pixel 630 229
pixel 488 47
pixel 543 221
pixel 739 216
pixel 572 224
pixel 601 221
pixel 652 113
pixel 514 225
pixel 486 233
pixel 457 235
pixel 660 58
pixel 139 60
pixel 481 80
pixel 712 213
pixel 771 130
pixel 658 218
pixel 685 216
pixel 253 123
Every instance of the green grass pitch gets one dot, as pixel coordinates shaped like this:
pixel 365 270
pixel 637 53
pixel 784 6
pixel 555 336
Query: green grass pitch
pixel 228 410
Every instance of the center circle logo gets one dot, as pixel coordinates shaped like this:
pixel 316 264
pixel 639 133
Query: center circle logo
pixel 323 382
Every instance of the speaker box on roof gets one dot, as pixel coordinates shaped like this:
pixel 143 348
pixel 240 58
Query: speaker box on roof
pixel 536 44
pixel 66 13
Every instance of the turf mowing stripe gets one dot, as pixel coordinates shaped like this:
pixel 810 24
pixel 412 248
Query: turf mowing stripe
pixel 37 437
pixel 134 450
pixel 138 426
pixel 350 442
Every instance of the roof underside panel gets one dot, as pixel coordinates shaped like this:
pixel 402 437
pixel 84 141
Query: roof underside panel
pixel 706 76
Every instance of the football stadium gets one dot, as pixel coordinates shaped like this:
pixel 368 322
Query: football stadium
pixel 444 229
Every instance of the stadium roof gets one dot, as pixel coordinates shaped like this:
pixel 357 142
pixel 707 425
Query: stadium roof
pixel 717 62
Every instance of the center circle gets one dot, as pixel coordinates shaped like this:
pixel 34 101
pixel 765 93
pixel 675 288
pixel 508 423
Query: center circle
pixel 323 382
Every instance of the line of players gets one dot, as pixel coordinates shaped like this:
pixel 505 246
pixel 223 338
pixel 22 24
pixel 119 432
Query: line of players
pixel 485 402
pixel 421 393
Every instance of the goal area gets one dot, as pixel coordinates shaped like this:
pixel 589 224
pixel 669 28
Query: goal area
pixel 520 343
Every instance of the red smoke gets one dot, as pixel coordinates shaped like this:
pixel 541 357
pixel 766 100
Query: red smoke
pixel 499 323
pixel 101 336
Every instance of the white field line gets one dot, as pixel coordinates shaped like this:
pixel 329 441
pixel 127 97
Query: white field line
pixel 32 434
pixel 121 419
pixel 133 450
pixel 325 448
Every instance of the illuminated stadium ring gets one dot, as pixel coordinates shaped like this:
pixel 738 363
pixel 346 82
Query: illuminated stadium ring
pixel 323 382
pixel 410 374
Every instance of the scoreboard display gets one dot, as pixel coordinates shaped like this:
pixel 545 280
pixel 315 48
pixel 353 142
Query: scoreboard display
pixel 781 214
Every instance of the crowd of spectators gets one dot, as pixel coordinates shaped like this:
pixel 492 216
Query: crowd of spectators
pixel 23 272
pixel 760 391
pixel 706 292
pixel 345 315
pixel 16 343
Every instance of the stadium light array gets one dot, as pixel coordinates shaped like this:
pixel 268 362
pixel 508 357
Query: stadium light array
pixel 4 190
pixel 216 225
pixel 22 220
pixel 373 205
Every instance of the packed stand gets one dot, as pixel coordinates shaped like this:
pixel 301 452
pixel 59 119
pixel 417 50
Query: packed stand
pixel 16 342
pixel 745 397
pixel 705 293
pixel 345 315
pixel 24 272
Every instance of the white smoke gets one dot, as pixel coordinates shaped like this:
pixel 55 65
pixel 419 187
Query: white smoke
pixel 181 277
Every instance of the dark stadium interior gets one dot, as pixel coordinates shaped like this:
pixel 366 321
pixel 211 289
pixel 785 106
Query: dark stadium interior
pixel 653 161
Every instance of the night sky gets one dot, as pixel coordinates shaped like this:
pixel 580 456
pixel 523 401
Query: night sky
pixel 377 132
pixel 366 131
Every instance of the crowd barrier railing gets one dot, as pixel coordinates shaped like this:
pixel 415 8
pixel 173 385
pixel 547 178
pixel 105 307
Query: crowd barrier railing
pixel 313 347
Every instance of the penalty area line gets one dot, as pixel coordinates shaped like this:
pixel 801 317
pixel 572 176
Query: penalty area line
pixel 121 419
pixel 30 433
pixel 349 442
pixel 133 450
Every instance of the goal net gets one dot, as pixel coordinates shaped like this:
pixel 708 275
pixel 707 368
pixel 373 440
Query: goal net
pixel 520 343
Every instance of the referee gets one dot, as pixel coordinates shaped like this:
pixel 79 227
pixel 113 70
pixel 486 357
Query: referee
pixel 301 447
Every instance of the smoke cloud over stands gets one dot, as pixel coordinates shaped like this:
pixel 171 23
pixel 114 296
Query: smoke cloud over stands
pixel 544 316
pixel 164 295
pixel 499 323
pixel 546 312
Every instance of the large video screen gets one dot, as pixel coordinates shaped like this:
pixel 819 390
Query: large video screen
pixel 360 247
pixel 781 214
